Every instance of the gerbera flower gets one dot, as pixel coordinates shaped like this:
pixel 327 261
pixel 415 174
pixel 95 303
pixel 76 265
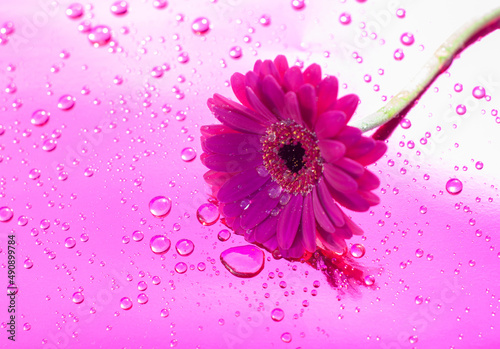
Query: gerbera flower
pixel 283 160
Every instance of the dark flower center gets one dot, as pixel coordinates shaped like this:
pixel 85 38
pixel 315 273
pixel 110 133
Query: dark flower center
pixel 293 155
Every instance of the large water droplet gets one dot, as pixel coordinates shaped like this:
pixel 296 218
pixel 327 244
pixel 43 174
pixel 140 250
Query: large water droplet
pixel 188 154
pixel 69 242
pixel 74 11
pixel 286 337
pixel 207 214
pixel 119 8
pixel 40 117
pixel 454 186
pixel 345 18
pixel 298 4
pixel 49 145
pixel 78 297
pixel 160 206
pixel 243 261
pixel 181 267
pixel 66 102
pixel 277 314
pixel 126 303
pixel 224 235
pixel 235 52
pixel 407 39
pixel 142 298
pixel 399 54
pixel 99 35
pixel 184 247
pixel 6 214
pixel 478 92
pixel 200 25
pixel 357 250
pixel 159 244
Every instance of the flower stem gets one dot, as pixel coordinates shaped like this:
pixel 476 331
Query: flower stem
pixel 436 65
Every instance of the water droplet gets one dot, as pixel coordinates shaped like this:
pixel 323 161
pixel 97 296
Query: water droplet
pixel 399 54
pixel 142 286
pixel 119 8
pixel 458 87
pixel 345 18
pixel 478 92
pixel 126 303
pixel 369 280
pixel 160 4
pixel 454 186
pixel 142 298
pixel 401 13
pixel 159 244
pixel 181 267
pixel 160 206
pixel 235 52
pixel 224 235
pixel 99 35
pixel 413 339
pixel 183 57
pixel 49 144
pixel 78 297
pixel 137 235
pixel 66 102
pixel 407 39
pixel 243 261
pixel 164 313
pixel 419 253
pixel 265 20
pixel 188 154
pixel 28 263
pixel 286 337
pixel 423 209
pixel 479 165
pixel 200 25
pixel 69 242
pixel 156 280
pixel 184 247
pixel 6 214
pixel 157 72
pixel 461 109
pixel 419 300
pixel 298 4
pixel 277 314
pixel 357 250
pixel 74 11
pixel 207 214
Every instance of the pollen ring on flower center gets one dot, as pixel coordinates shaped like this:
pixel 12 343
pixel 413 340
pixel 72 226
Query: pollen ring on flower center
pixel 292 157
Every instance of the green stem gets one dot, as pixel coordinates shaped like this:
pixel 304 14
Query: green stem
pixel 436 65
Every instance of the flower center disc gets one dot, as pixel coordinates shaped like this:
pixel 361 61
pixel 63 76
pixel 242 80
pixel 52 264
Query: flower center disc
pixel 292 157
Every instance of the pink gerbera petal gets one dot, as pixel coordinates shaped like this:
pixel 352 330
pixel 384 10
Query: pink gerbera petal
pixel 266 230
pixel 361 147
pixel 348 105
pixel 274 96
pixel 329 124
pixel 306 96
pixel 233 144
pixel 368 181
pixel 373 155
pixel 292 110
pixel 231 163
pixel 281 65
pixel 289 222
pixel 239 88
pixel 320 214
pixel 331 209
pixel 293 79
pixel 312 75
pixel 353 168
pixel 238 121
pixel 308 224
pixel 339 180
pixel 260 207
pixel 327 94
pixel 259 107
pixel 331 150
pixel 241 185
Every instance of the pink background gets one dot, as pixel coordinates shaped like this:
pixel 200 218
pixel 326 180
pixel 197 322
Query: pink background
pixel 122 135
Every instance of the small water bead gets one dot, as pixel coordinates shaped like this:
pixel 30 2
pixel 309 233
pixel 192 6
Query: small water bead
pixel 22 221
pixel 137 235
pixel 142 298
pixel 479 165
pixel 160 244
pixel 85 26
pixel 224 235
pixel 454 186
pixel 400 13
pixel 45 224
pixel 235 52
pixel 413 339
pixel 160 206
pixel 419 253
pixel 6 214
pixel 357 250
pixel 183 57
pixel 207 214
pixel 461 109
pixel 142 286
pixel 28 263
pixel 164 313
pixel 74 11
pixel 399 54
pixel 369 280
pixel 298 4
pixel 34 174
pixel 160 4
pixel 78 298
pixel 277 314
pixel 200 26
pixel 66 102
pixel 119 8
pixel 201 266
pixel 458 87
pixel 286 337
pixel 156 280
pixel 69 242
pixel 478 92
pixel 99 35
pixel 243 261
pixel 407 39
pixel 184 247
pixel 265 20
pixel 157 72
pixel 181 267
pixel 345 18
pixel 188 154
pixel 423 209
pixel 126 303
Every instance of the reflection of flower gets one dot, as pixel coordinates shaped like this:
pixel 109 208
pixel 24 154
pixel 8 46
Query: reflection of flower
pixel 284 158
